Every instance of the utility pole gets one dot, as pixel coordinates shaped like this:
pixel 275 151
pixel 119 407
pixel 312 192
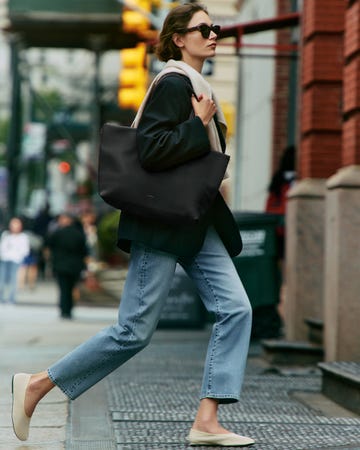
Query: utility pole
pixel 14 137
pixel 97 45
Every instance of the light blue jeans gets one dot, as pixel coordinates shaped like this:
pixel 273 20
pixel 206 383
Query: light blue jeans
pixel 147 286
pixel 8 280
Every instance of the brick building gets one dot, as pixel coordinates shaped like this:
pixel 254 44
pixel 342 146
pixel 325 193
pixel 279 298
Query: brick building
pixel 283 120
pixel 323 217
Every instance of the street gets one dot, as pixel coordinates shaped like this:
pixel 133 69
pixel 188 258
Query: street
pixel 150 402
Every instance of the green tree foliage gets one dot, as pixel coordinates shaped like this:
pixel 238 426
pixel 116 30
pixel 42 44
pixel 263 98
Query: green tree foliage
pixel 4 129
pixel 107 233
pixel 46 104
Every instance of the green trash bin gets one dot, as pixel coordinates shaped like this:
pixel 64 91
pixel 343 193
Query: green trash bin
pixel 183 307
pixel 257 266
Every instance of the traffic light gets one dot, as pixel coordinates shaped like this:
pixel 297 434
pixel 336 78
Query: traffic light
pixel 230 116
pixel 133 77
pixel 136 20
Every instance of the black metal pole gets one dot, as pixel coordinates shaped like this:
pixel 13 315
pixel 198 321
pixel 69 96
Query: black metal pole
pixel 97 45
pixel 14 137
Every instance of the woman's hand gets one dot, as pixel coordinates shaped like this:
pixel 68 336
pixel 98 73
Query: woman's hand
pixel 204 108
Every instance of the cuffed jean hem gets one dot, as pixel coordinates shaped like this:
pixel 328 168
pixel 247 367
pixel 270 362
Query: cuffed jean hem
pixel 222 398
pixel 64 390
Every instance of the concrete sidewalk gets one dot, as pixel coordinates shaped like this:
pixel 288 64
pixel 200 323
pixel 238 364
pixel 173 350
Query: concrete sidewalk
pixel 32 336
pixel 149 403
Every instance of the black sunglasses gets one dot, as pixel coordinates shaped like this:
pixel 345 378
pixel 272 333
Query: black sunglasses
pixel 204 29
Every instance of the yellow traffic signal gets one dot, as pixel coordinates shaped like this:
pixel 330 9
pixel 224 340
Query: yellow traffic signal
pixel 229 113
pixel 133 77
pixel 135 20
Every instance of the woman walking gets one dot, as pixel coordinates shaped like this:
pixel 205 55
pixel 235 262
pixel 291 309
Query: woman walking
pixel 14 247
pixel 168 136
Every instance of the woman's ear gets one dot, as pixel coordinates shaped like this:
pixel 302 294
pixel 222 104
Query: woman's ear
pixel 178 40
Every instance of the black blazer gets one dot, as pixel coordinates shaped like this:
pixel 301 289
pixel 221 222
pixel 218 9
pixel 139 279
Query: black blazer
pixel 167 137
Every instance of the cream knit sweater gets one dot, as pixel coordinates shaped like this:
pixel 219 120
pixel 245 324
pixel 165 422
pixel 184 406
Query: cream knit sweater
pixel 200 86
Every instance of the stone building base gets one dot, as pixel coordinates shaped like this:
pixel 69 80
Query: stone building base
pixel 304 256
pixel 342 266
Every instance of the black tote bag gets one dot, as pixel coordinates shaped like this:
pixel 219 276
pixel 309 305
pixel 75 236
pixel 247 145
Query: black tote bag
pixel 180 195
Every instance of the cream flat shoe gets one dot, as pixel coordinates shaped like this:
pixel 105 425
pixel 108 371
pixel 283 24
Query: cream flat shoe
pixel 196 437
pixel 20 420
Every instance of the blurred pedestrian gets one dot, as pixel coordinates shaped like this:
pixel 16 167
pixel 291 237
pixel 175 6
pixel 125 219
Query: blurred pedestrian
pixel 68 251
pixel 167 137
pixel 276 200
pixel 276 203
pixel 41 229
pixel 14 247
pixel 88 221
pixel 28 273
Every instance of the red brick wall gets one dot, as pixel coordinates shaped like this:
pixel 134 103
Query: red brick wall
pixel 323 16
pixel 321 88
pixel 351 107
pixel 281 89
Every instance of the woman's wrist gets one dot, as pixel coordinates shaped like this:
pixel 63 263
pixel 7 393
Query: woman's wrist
pixel 204 121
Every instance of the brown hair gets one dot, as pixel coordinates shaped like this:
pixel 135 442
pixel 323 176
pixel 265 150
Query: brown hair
pixel 175 22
